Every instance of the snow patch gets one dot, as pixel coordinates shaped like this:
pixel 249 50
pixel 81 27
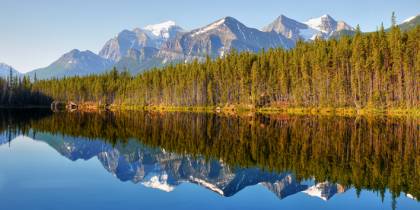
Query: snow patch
pixel 208 28
pixel 158 182
pixel 315 191
pixel 161 29
pixel 410 196
pixel 239 29
pixel 316 23
pixel 409 19
pixel 207 185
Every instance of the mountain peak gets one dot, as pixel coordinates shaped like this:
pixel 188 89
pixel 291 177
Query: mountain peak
pixel 282 19
pixel 281 16
pixel 74 51
pixel 224 20
pixel 213 26
pixel 288 27
pixel 165 24
pixel 230 19
pixel 127 33
pixel 325 190
pixel 117 47
pixel 325 24
pixel 320 20
pixel 163 30
pixel 327 16
pixel 72 63
pixel 282 22
pixel 77 52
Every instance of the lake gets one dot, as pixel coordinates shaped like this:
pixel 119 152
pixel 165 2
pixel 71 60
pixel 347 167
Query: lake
pixel 148 160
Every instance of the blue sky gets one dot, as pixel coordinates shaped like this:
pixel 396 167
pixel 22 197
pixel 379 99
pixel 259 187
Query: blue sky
pixel 34 33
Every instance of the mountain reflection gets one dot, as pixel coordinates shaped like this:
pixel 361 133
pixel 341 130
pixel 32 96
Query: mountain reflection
pixel 156 168
pixel 225 154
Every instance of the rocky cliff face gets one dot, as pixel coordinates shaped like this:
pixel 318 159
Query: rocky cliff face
pixel 320 27
pixel 219 38
pixel 327 26
pixel 120 46
pixel 291 29
pixel 152 36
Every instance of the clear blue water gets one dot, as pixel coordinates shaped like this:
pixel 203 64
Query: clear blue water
pixel 34 175
pixel 51 170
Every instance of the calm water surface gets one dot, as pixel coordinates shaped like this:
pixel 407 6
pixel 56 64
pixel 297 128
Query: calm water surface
pixel 138 160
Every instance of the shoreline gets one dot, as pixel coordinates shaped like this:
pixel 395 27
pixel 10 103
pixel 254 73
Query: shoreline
pixel 276 110
pixel 241 110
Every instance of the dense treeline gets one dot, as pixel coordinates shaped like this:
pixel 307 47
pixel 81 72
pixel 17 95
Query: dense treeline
pixel 17 92
pixel 367 153
pixel 379 69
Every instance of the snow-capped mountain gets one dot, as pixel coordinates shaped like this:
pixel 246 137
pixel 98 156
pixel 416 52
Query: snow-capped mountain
pixel 5 71
pixel 119 46
pixel 285 187
pixel 291 29
pixel 323 27
pixel 164 31
pixel 219 38
pixel 164 43
pixel 327 26
pixel 325 190
pixel 150 36
pixel 73 63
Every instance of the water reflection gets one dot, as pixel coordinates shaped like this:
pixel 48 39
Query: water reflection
pixel 320 156
pixel 156 168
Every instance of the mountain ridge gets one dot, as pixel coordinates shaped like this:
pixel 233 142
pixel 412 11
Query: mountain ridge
pixel 160 44
pixel 74 62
